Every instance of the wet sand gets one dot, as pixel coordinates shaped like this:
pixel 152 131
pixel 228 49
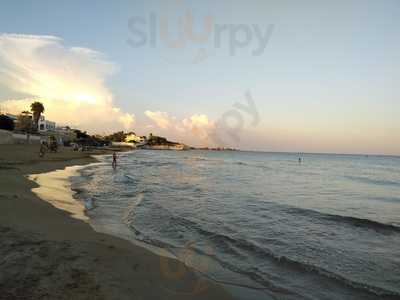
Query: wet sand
pixel 47 254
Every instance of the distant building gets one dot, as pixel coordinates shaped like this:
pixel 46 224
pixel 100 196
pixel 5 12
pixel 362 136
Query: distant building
pixel 133 138
pixel 67 131
pixel 45 125
pixel 65 134
pixel 13 117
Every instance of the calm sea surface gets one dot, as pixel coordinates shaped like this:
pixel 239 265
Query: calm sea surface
pixel 263 224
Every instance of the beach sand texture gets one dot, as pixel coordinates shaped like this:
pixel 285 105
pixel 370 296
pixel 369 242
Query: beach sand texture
pixel 47 254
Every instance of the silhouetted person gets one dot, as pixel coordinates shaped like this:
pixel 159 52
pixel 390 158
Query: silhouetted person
pixel 43 148
pixel 114 163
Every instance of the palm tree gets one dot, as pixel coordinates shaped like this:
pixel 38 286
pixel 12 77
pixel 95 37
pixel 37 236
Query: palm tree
pixel 37 109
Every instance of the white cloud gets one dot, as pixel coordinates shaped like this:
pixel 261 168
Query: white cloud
pixel 69 81
pixel 161 119
pixel 194 130
pixel 199 125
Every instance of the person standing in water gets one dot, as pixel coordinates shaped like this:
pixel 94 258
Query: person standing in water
pixel 114 163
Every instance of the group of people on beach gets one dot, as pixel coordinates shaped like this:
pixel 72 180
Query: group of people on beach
pixel 52 147
pixel 48 146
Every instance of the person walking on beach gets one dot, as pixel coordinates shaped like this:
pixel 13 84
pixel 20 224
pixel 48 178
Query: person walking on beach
pixel 114 163
pixel 43 148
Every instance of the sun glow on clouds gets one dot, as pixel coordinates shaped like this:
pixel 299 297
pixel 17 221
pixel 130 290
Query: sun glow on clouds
pixel 199 125
pixel 194 130
pixel 161 119
pixel 69 81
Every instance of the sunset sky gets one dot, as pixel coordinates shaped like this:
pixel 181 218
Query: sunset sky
pixel 326 79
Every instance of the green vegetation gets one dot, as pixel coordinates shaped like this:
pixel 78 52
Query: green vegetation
pixel 119 136
pixel 157 140
pixel 152 140
pixel 116 137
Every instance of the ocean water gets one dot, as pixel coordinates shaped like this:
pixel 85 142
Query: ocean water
pixel 262 224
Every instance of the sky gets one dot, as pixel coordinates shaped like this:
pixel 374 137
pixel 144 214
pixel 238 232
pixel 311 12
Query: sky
pixel 309 76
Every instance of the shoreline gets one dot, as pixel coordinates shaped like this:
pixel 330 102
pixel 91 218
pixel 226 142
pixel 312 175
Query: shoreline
pixel 54 188
pixel 66 198
pixel 48 254
pixel 48 188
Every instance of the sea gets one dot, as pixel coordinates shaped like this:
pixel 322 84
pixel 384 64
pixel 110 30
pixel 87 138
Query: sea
pixel 263 225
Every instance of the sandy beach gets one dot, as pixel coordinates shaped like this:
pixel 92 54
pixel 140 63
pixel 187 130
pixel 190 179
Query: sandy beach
pixel 47 254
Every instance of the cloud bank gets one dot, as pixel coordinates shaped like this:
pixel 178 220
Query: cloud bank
pixel 195 130
pixel 161 119
pixel 69 81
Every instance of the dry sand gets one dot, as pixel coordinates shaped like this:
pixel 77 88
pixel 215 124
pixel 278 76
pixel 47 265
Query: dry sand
pixel 46 254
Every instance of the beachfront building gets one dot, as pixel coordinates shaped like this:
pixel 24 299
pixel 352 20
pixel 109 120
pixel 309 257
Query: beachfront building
pixel 45 125
pixel 12 117
pixel 66 134
pixel 133 138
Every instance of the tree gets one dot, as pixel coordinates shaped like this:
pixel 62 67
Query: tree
pixel 116 137
pixel 81 134
pixel 24 122
pixel 157 140
pixel 37 109
pixel 6 123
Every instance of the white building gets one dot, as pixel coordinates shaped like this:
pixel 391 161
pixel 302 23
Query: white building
pixel 133 138
pixel 45 125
